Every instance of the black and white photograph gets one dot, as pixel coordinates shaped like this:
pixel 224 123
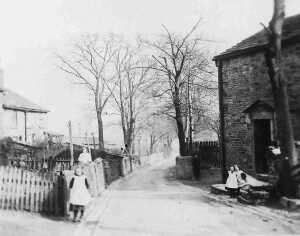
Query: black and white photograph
pixel 149 117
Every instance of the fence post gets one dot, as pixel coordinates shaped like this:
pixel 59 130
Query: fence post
pixel 71 144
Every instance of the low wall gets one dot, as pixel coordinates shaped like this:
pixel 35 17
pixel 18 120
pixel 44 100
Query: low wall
pixel 126 166
pixel 184 168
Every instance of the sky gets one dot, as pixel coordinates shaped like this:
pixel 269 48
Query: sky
pixel 32 31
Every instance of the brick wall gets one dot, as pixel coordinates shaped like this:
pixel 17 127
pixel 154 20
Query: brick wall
pixel 245 80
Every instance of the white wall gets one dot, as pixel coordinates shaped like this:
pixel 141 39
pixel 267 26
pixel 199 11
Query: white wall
pixel 1 115
pixel 14 124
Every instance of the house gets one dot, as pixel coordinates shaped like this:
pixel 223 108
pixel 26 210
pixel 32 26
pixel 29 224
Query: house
pixel 246 104
pixel 20 118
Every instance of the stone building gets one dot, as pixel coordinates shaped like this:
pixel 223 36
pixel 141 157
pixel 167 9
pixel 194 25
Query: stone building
pixel 246 104
pixel 20 118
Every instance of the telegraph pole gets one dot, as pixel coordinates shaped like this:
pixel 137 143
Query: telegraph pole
pixel 71 143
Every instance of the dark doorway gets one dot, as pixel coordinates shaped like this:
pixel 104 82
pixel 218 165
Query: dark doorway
pixel 262 138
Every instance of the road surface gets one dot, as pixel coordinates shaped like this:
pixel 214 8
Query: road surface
pixel 152 202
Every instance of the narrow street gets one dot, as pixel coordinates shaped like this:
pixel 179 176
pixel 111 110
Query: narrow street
pixel 152 202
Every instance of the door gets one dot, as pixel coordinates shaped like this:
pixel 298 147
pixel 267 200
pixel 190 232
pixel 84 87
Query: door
pixel 262 139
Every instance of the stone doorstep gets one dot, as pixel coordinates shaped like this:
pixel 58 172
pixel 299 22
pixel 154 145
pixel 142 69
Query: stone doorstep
pixel 218 189
pixel 261 194
pixel 291 204
pixel 266 178
pixel 243 200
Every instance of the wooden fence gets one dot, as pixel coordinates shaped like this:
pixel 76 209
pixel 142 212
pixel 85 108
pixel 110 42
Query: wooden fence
pixel 48 192
pixel 208 152
pixel 25 190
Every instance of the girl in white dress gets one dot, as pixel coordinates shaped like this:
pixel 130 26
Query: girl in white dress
pixel 79 194
pixel 232 182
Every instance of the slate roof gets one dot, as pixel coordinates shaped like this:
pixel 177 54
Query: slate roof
pixel 258 41
pixel 14 101
pixel 258 103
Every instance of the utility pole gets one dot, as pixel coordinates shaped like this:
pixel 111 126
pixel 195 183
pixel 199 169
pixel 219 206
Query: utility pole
pixel 71 144
pixel 87 141
pixel 94 142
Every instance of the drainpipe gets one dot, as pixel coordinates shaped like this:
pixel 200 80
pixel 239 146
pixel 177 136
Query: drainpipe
pixel 219 64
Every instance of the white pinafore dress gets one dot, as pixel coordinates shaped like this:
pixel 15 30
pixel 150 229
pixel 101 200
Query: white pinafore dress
pixel 79 194
pixel 232 181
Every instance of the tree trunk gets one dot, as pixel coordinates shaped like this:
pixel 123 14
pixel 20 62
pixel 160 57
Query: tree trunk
pixel 130 133
pixel 151 144
pixel 280 94
pixel 180 133
pixel 179 123
pixel 190 135
pixel 100 130
pixel 181 137
pixel 279 84
pixel 124 130
pixel 284 124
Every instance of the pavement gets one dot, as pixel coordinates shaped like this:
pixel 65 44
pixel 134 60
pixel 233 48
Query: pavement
pixel 150 202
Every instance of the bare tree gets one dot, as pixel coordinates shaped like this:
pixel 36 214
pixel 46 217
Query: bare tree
pixel 279 86
pixel 214 125
pixel 180 63
pixel 131 83
pixel 279 83
pixel 89 65
pixel 160 131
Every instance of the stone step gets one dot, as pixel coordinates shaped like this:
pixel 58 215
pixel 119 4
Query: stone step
pixel 251 201
pixel 267 178
pixel 292 204
pixel 218 189
pixel 260 194
pixel 245 200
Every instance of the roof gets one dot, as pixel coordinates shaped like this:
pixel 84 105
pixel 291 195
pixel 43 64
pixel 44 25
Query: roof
pixel 258 103
pixel 258 41
pixel 14 101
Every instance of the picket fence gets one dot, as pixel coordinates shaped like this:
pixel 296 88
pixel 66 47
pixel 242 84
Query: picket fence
pixel 48 192
pixel 30 191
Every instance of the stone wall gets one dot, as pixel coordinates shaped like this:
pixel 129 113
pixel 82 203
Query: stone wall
pixel 184 168
pixel 245 80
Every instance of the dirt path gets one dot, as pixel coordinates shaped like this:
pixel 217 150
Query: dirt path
pixel 152 202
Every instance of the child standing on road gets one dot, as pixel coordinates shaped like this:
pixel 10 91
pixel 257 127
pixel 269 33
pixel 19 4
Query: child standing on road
pixel 232 182
pixel 79 194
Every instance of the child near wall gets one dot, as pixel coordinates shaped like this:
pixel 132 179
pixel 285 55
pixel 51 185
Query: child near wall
pixel 79 194
pixel 232 182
